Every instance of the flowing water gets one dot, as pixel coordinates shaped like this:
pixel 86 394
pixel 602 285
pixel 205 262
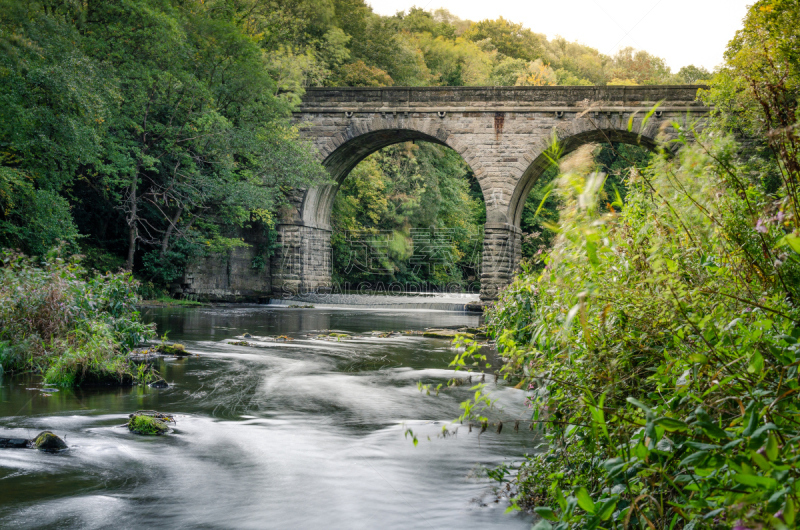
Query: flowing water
pixel 305 433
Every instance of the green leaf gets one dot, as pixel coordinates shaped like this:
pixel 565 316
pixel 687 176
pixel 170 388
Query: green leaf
pixel 559 496
pixel 698 358
pixel 765 428
pixel 792 240
pixel 672 425
pixel 755 481
pixel 550 187
pixel 584 500
pixel 772 448
pixel 542 525
pixel 756 365
pixel 649 115
pixel 546 513
pixel 606 509
pixel 712 430
pixel 788 511
pixel 639 404
pixel 752 421
pixel 694 458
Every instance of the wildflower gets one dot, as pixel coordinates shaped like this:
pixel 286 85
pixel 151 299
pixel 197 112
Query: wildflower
pixel 761 227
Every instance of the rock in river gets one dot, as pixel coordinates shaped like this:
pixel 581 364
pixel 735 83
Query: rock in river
pixel 149 422
pixel 159 384
pixel 445 333
pixel 47 441
pixel 14 443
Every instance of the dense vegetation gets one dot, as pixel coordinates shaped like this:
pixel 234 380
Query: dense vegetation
pixel 71 326
pixel 659 345
pixel 145 132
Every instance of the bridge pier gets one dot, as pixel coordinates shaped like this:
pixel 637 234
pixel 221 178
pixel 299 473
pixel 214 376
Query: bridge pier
pixel 502 246
pixel 302 260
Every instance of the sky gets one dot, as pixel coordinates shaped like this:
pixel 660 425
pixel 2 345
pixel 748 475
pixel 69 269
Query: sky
pixel 683 32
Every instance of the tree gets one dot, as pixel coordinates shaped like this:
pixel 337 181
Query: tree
pixel 641 67
pixel 694 74
pixel 511 40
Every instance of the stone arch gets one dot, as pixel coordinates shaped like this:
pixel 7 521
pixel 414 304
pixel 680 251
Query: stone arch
pixel 342 153
pixel 573 135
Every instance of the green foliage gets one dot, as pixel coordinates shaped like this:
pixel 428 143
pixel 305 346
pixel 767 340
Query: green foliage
pixel 659 345
pixel 161 121
pixel 660 350
pixel 74 328
pixel 36 220
pixel 694 74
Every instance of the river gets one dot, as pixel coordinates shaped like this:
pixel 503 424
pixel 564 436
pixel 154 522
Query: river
pixel 304 433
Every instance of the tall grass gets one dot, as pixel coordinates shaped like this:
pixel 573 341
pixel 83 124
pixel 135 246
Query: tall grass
pixel 72 327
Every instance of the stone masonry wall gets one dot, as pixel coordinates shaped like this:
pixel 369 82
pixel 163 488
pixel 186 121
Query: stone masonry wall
pixel 302 262
pixel 230 278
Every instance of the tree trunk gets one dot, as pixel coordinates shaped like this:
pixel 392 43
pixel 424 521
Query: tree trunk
pixel 133 233
pixel 168 233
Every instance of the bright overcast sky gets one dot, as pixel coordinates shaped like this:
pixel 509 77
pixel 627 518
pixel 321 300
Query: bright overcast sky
pixel 681 31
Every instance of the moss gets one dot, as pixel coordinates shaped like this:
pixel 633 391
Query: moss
pixel 147 425
pixel 445 334
pixel 177 350
pixel 47 441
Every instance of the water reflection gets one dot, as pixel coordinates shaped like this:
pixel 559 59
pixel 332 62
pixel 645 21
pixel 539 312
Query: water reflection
pixel 298 434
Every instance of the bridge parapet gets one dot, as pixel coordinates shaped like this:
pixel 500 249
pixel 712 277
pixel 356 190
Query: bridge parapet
pixel 508 99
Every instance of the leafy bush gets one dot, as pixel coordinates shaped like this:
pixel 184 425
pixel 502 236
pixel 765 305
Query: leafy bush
pixel 71 327
pixel 660 346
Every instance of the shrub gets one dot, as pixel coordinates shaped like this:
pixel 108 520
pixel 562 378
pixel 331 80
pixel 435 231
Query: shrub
pixel 71 327
pixel 660 348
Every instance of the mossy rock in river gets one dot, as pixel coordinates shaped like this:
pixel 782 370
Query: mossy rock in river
pixel 47 441
pixel 177 350
pixel 449 334
pixel 149 423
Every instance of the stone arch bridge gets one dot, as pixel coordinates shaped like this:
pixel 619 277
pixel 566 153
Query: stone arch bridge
pixel 503 134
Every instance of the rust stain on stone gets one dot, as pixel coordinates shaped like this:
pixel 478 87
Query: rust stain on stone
pixel 499 120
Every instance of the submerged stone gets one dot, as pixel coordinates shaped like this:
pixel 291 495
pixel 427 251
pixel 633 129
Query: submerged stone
pixel 14 443
pixel 445 333
pixel 159 384
pixel 47 441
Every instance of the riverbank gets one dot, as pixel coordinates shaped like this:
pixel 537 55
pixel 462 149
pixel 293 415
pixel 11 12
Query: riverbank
pixel 72 327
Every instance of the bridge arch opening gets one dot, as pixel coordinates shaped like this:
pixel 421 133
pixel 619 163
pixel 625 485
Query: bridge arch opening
pixel 542 162
pixel 317 204
pixel 408 218
pixel 316 235
pixel 616 153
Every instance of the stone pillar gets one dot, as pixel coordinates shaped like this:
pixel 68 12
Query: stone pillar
pixel 502 245
pixel 302 261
